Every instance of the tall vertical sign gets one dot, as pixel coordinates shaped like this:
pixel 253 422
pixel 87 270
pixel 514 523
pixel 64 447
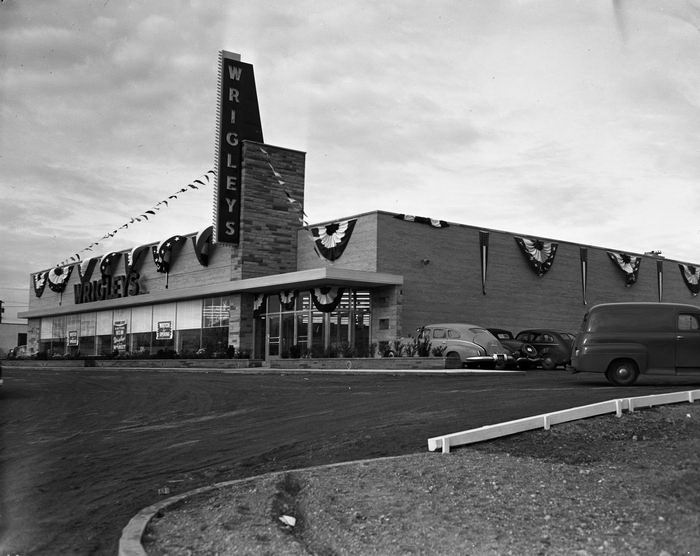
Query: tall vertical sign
pixel 238 119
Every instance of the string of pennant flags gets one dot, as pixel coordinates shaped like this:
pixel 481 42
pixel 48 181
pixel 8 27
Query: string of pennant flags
pixel 143 216
pixel 296 205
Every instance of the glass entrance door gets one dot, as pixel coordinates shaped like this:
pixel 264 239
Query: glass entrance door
pixel 287 334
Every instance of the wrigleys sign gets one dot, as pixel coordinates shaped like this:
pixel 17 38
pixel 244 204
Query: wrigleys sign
pixel 238 119
pixel 109 287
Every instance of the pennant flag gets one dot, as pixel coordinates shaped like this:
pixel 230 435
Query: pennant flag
pixel 540 254
pixel 484 252
pixel 331 240
pixel 660 278
pixel 296 205
pixel 628 265
pixel 691 277
pixel 144 216
pixel 422 220
pixel 203 245
pixel 39 282
pixel 583 253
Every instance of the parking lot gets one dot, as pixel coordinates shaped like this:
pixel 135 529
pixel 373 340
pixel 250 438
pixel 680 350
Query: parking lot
pixel 83 451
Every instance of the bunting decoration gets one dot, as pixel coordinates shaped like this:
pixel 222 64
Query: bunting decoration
pixel 134 258
pixel 660 278
pixel 583 253
pixel 540 254
pixel 691 277
pixel 484 252
pixel 163 255
pixel 331 240
pixel 58 277
pixel 287 299
pixel 628 265
pixel 108 263
pixel 327 298
pixel 422 220
pixel 259 304
pixel 85 269
pixel 203 244
pixel 39 282
pixel 145 215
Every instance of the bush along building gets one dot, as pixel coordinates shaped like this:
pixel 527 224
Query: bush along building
pixel 263 282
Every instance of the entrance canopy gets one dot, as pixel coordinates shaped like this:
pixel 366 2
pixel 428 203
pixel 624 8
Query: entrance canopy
pixel 302 279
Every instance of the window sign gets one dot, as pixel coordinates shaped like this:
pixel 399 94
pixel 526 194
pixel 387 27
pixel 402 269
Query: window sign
pixel 72 337
pixel 165 330
pixel 119 335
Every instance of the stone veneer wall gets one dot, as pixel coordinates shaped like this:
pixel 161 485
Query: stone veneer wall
pixel 269 222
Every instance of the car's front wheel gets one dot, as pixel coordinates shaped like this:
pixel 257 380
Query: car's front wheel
pixel 622 372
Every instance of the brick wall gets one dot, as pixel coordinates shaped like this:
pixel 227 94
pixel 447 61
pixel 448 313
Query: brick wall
pixel 360 253
pixel 448 288
pixel 268 220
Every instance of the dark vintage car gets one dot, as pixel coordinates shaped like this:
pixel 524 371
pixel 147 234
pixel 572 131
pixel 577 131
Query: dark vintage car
pixel 553 347
pixel 523 353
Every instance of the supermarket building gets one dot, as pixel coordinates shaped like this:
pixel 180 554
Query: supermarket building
pixel 263 280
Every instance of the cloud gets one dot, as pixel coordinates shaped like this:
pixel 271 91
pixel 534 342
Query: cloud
pixel 576 121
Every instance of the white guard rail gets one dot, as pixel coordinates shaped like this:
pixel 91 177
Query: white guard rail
pixel 545 420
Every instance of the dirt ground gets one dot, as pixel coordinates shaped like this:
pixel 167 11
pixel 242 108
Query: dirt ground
pixel 605 485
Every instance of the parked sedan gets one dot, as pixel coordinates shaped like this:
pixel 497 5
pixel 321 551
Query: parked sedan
pixel 525 354
pixel 553 347
pixel 467 344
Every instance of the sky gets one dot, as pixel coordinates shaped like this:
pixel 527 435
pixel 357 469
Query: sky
pixel 575 121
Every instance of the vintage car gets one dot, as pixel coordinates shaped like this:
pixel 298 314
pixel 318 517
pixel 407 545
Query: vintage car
pixel 553 347
pixel 525 354
pixel 467 345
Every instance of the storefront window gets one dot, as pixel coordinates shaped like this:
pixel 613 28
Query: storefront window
pixel 141 343
pixel 215 319
pixel 104 344
pixel 86 338
pixel 215 341
pixel 216 312
pixel 188 341
pixel 307 331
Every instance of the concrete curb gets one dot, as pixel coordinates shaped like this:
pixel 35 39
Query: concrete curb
pixel 130 540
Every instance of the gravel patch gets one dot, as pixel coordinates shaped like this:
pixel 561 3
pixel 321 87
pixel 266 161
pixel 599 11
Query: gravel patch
pixel 604 485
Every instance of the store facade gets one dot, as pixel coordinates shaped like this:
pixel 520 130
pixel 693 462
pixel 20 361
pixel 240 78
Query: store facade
pixel 264 283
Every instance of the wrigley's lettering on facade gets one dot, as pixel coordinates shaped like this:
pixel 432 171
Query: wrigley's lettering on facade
pixel 109 287
pixel 238 119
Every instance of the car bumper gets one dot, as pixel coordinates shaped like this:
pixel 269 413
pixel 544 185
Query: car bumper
pixel 496 360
